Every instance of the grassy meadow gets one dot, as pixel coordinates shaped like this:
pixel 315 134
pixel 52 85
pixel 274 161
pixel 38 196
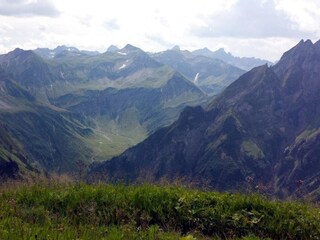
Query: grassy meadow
pixel 80 211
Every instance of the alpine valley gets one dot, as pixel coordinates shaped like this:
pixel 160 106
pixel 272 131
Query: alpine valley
pixel 262 132
pixel 64 106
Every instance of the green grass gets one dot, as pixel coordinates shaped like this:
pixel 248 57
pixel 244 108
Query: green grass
pixel 55 211
pixel 106 145
pixel 111 138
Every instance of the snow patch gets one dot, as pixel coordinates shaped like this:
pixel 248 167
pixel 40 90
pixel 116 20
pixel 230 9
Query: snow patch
pixel 62 74
pixel 122 53
pixel 123 66
pixel 196 78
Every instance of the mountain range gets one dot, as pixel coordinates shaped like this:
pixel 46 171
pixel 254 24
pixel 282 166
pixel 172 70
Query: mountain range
pixel 262 130
pixel 137 116
pixel 65 105
pixel 62 50
pixel 245 63
pixel 210 74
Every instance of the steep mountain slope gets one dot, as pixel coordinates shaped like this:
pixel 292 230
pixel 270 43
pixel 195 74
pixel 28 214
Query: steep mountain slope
pixel 264 126
pixel 300 79
pixel 245 63
pixel 53 139
pixel 12 157
pixel 211 75
pixel 36 136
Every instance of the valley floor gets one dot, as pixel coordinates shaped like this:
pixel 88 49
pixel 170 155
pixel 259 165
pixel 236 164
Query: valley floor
pixel 80 211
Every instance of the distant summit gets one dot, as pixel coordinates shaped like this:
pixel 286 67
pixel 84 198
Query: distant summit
pixel 16 51
pixel 222 54
pixel 209 74
pixel 176 48
pixel 62 51
pixel 28 69
pixel 245 63
pixel 63 48
pixel 112 48
pixel 130 48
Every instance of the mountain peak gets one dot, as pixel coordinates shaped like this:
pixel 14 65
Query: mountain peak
pixel 16 52
pixel 304 44
pixel 203 52
pixel 131 48
pixel 221 50
pixel 176 48
pixel 300 51
pixel 299 69
pixel 308 42
pixel 63 48
pixel 20 52
pixel 112 48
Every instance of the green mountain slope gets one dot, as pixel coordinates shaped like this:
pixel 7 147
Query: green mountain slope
pixel 36 136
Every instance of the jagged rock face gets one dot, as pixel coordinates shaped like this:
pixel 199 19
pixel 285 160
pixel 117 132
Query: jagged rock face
pixel 265 125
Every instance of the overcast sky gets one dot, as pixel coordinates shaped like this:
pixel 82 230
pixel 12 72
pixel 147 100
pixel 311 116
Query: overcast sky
pixel 260 28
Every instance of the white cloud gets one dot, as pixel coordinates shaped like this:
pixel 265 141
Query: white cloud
pixel 155 25
pixel 27 8
pixel 305 13
pixel 251 19
pixel 112 25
